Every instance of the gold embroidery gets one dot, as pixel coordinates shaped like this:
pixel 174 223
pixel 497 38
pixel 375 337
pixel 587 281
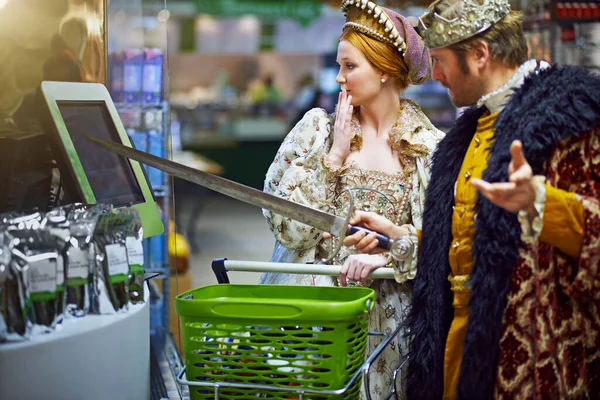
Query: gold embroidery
pixel 390 177
pixel 330 169
pixel 458 283
pixel 356 141
pixel 386 184
pixel 410 120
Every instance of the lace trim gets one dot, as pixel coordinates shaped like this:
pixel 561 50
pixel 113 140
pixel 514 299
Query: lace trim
pixel 410 120
pixel 409 166
pixel 495 100
pixel 402 134
pixel 330 169
pixel 352 168
pixel 531 228
pixel 407 269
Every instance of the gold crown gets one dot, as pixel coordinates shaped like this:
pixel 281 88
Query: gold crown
pixel 473 19
pixel 373 22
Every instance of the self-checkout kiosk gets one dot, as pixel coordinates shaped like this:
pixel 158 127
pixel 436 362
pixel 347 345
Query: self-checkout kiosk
pixel 96 356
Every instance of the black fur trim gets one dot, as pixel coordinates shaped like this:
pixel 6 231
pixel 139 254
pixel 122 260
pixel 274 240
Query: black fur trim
pixel 431 311
pixel 551 106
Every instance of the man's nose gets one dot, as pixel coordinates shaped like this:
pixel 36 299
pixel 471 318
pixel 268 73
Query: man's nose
pixel 437 73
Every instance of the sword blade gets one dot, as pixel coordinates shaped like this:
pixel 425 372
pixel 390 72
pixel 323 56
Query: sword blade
pixel 298 212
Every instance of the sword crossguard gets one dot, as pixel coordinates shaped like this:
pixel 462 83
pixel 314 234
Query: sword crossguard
pixel 333 252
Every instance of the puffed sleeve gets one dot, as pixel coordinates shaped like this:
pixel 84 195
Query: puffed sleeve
pixel 298 174
pixel 563 221
pixel 569 218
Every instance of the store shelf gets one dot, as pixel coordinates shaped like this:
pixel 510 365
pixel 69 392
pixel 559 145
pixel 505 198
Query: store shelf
pixel 129 108
pixel 158 389
pixel 537 24
pixel 170 364
pixel 569 22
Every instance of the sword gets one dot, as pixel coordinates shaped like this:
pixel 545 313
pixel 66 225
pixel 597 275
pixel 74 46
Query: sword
pixel 323 221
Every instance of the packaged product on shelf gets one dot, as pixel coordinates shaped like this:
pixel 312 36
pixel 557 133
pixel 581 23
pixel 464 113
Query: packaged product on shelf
pixel 15 298
pixel 153 121
pixel 153 76
pixel 83 293
pixel 14 294
pixel 80 255
pixel 15 220
pixel 132 120
pixel 9 295
pixel 55 222
pixel 34 260
pixel 134 239
pixel 133 63
pixel 111 263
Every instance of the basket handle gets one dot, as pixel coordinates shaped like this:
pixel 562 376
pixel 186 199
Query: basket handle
pixel 291 268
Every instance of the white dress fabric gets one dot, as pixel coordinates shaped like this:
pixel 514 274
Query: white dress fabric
pixel 299 174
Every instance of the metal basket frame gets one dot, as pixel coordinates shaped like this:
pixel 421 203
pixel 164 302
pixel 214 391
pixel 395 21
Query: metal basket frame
pixel 363 370
pixel 220 268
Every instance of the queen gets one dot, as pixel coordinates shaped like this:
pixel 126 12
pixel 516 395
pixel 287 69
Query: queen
pixel 377 148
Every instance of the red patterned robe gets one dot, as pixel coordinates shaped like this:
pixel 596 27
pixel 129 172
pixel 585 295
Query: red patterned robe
pixel 534 313
pixel 550 344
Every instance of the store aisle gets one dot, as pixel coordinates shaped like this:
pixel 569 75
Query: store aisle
pixel 225 228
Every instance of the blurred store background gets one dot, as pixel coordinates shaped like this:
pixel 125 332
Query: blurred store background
pixel 243 72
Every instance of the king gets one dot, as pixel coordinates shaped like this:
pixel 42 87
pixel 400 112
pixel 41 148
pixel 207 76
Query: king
pixel 506 299
pixel 506 302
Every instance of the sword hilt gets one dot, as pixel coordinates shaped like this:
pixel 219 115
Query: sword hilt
pixel 384 242
pixel 400 249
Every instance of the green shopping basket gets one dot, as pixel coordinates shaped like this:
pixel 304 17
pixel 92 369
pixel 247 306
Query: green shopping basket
pixel 244 337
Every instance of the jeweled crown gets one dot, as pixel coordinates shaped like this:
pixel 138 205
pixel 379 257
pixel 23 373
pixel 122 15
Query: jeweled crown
pixel 370 19
pixel 438 31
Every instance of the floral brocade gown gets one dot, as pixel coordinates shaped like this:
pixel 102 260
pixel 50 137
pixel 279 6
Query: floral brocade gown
pixel 299 173
pixel 386 194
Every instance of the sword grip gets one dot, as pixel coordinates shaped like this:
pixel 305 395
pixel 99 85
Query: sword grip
pixel 384 242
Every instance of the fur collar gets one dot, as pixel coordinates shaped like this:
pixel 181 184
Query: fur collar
pixel 571 107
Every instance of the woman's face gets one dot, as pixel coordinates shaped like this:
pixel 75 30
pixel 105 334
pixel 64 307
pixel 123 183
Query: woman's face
pixel 357 76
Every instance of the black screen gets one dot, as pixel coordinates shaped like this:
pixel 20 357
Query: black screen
pixel 110 176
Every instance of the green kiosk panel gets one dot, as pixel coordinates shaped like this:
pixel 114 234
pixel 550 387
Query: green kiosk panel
pixel 93 174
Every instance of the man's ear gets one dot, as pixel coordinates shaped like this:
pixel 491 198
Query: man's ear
pixel 481 53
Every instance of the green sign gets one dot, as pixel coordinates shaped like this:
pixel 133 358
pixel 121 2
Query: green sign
pixel 303 11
